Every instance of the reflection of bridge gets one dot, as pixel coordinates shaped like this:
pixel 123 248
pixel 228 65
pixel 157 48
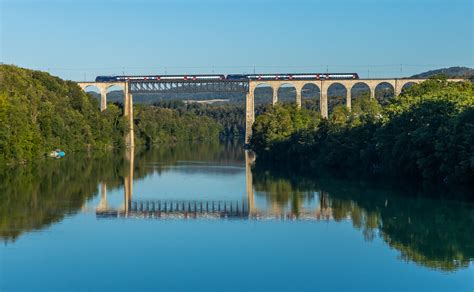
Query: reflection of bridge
pixel 182 209
pixel 248 87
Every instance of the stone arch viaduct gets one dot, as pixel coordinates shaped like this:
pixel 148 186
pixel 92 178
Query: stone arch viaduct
pixel 249 88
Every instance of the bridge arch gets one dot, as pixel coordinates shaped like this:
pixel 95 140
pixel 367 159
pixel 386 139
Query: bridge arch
pixel 407 85
pixel 384 91
pixel 97 90
pixel 360 90
pixel 311 96
pixel 263 94
pixel 93 90
pixel 115 93
pixel 337 95
pixel 286 93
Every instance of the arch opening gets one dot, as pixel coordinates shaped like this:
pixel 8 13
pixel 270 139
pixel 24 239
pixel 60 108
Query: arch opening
pixel 359 91
pixel 311 96
pixel 407 86
pixel 384 92
pixel 336 96
pixel 263 94
pixel 115 94
pixel 286 94
pixel 93 91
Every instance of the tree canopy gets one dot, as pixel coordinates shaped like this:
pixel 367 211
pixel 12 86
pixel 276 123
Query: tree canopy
pixel 427 133
pixel 39 113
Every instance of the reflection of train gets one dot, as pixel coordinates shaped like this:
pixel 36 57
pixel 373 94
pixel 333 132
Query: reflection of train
pixel 292 76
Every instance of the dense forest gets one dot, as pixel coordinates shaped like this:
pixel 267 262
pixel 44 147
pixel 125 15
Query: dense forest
pixel 231 117
pixel 427 133
pixel 40 113
pixel 155 125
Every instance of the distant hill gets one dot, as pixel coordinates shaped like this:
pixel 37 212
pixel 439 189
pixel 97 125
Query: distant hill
pixel 451 72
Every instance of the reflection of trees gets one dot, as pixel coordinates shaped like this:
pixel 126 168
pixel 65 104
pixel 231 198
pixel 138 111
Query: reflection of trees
pixel 433 232
pixel 35 196
pixel 280 192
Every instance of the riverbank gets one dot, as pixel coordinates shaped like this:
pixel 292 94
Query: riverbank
pixel 425 135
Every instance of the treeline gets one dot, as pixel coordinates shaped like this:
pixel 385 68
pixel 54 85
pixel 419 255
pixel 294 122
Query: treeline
pixel 427 133
pixel 39 112
pixel 231 117
pixel 155 125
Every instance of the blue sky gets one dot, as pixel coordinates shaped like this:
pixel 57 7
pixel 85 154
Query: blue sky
pixel 81 39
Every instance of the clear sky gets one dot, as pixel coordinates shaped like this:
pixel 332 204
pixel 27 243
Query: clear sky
pixel 81 39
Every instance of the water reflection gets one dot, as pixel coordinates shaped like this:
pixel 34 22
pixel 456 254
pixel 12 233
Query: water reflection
pixel 432 232
pixel 283 202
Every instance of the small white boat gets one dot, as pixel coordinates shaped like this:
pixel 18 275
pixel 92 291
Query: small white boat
pixel 57 153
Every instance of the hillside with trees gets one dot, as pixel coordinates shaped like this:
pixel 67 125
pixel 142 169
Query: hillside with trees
pixel 40 113
pixel 451 72
pixel 426 134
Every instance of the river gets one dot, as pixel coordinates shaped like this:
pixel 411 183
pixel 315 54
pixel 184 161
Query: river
pixel 199 217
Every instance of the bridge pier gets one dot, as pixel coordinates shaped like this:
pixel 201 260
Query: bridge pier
pixel 372 92
pixel 249 159
pixel 323 101
pixel 397 88
pixel 299 89
pixel 128 180
pixel 103 205
pixel 249 115
pixel 349 97
pixel 275 94
pixel 103 99
pixel 128 112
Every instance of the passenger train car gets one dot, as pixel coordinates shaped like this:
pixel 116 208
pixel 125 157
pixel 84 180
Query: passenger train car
pixel 158 77
pixel 292 76
pixel 295 76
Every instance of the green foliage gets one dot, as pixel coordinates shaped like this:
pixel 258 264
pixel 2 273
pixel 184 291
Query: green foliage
pixel 37 195
pixel 230 116
pixel 279 123
pixel 156 125
pixel 39 112
pixel 427 133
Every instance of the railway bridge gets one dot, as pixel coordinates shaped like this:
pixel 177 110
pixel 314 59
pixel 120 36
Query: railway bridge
pixel 246 87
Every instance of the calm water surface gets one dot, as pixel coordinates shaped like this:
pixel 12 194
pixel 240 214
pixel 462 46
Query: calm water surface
pixel 197 217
